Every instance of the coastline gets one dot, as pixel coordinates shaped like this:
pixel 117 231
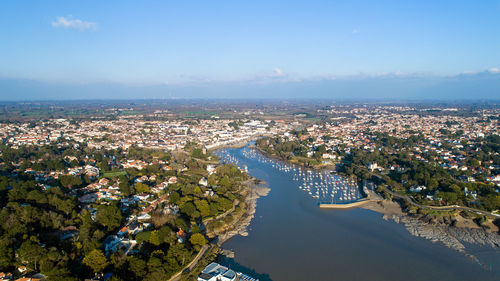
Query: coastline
pixel 256 189
pixel 375 197
pixel 455 232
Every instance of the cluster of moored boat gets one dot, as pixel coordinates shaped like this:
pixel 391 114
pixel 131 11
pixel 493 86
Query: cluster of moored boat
pixel 322 186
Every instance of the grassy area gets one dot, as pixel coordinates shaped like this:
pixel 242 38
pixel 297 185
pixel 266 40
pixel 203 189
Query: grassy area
pixel 114 174
pixel 436 212
pixel 132 112
pixel 201 112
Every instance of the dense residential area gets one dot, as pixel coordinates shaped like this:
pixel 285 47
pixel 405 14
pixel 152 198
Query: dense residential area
pixel 71 211
pixel 137 198
pixel 437 156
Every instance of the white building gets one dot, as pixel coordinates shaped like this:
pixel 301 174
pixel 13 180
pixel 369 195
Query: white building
pixel 217 272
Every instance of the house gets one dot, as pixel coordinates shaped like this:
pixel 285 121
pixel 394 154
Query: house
pixel 181 235
pixel 141 179
pixel 209 193
pixel 103 181
pixel 91 171
pixel 114 243
pixel 68 232
pixel 143 196
pixel 211 169
pixel 4 276
pixel 373 166
pixel 172 209
pixel 144 217
pixel 88 198
pixel 172 180
pixel 217 272
pixel 417 188
pixel 328 156
pixel 203 182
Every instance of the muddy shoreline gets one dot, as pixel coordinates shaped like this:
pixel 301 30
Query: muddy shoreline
pixel 256 189
pixel 454 232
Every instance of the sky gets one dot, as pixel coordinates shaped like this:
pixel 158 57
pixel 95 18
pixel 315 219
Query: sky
pixel 161 49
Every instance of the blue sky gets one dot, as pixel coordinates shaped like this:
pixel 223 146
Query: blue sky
pixel 150 43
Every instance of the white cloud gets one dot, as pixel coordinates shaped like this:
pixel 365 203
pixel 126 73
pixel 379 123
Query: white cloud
pixel 494 70
pixel 69 22
pixel 278 73
pixel 356 31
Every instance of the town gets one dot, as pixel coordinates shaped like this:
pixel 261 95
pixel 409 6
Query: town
pixel 134 197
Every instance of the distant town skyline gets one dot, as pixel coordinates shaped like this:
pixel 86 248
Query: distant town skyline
pixel 317 49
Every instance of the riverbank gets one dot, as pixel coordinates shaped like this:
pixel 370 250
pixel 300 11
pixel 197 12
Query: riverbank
pixel 447 226
pixel 360 237
pixel 239 218
pixel 256 189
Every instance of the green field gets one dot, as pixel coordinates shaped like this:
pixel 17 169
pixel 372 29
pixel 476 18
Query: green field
pixel 114 174
pixel 201 112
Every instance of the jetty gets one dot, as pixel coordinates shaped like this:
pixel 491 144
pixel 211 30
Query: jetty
pixel 344 205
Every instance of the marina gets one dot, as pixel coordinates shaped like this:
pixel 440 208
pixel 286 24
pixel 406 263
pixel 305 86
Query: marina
pixel 324 187
pixel 290 227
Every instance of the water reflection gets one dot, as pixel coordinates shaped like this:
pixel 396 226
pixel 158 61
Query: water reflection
pixel 290 238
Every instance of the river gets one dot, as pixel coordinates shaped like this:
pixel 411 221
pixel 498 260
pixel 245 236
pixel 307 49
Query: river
pixel 290 238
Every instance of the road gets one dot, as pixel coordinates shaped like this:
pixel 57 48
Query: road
pixel 190 266
pixel 445 208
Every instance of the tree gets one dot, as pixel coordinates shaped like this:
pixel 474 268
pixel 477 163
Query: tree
pixel 225 182
pixel 141 187
pixel 203 207
pixel 154 238
pixel 96 260
pixel 137 266
pixel 198 239
pixel 109 215
pixel 174 197
pixel 198 153
pixel 189 209
pixel 125 188
pixel 70 181
pixel 7 254
pixel 31 252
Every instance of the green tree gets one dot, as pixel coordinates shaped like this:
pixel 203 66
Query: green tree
pixel 174 197
pixel 96 260
pixel 6 254
pixel 137 266
pixel 198 239
pixel 31 253
pixel 109 216
pixel 203 207
pixel 141 187
pixel 189 209
pixel 70 181
pixel 125 188
pixel 154 238
pixel 198 153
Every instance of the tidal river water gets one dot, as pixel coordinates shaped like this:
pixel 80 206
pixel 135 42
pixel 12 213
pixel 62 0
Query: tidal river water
pixel 290 238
